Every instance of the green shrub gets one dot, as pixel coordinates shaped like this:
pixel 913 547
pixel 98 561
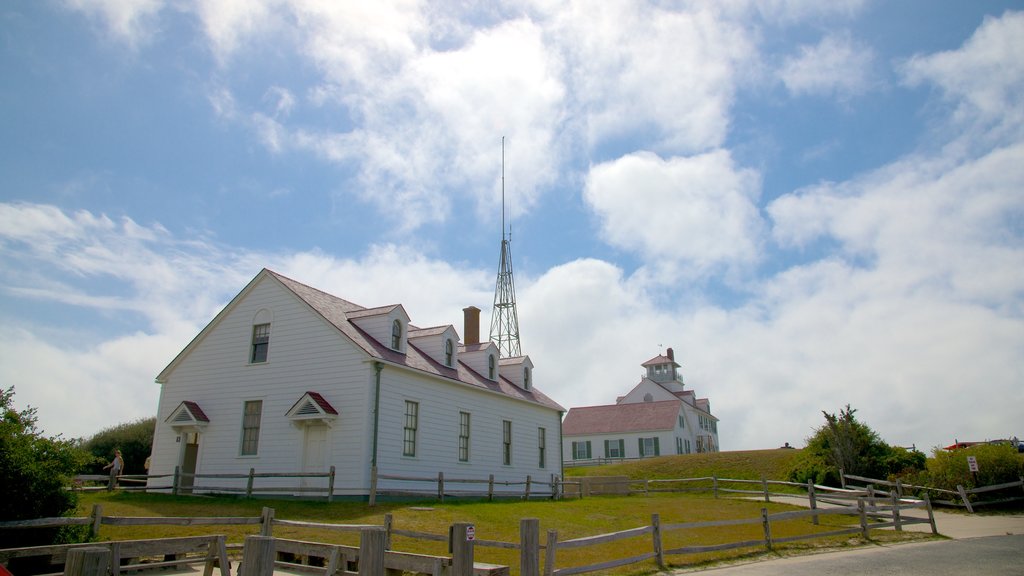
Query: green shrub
pixel 997 464
pixel 846 444
pixel 134 439
pixel 35 472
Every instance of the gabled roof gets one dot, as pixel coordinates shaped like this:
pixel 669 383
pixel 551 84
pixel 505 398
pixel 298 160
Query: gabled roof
pixel 337 311
pixel 312 402
pixel 424 332
pixel 615 418
pixel 660 359
pixel 188 413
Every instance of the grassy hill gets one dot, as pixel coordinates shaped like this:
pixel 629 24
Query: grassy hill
pixel 741 465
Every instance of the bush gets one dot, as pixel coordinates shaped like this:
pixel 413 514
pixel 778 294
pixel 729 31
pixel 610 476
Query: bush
pixel 134 439
pixel 846 444
pixel 997 464
pixel 35 472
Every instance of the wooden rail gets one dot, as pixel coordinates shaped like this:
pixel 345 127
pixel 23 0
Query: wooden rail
pixel 961 497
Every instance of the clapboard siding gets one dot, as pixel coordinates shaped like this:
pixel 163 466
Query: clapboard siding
pixel 308 353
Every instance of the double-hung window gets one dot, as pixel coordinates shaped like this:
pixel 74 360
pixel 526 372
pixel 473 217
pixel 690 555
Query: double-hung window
pixel 581 450
pixel 615 448
pixel 541 447
pixel 463 436
pixel 251 413
pixel 506 442
pixel 412 415
pixel 648 446
pixel 260 343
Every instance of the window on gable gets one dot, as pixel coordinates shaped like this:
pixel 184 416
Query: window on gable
pixel 251 414
pixel 682 422
pixel 506 442
pixel 412 414
pixel 448 352
pixel 490 366
pixel 260 343
pixel 648 397
pixel 526 378
pixel 463 436
pixel 396 335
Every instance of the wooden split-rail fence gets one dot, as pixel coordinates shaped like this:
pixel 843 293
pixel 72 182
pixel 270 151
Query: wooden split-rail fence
pixel 961 497
pixel 872 512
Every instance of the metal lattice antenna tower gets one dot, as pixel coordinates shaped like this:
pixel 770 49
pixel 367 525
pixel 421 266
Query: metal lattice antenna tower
pixel 504 318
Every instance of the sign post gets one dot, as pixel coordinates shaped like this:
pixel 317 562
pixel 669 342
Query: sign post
pixel 972 464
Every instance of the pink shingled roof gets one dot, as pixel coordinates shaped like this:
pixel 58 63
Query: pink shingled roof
pixel 639 417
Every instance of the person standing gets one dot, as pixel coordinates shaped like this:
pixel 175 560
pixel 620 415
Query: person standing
pixel 115 467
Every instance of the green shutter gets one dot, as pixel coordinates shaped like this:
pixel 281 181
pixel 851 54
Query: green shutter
pixel 622 448
pixel 588 449
pixel 657 451
pixel 606 444
pixel 640 446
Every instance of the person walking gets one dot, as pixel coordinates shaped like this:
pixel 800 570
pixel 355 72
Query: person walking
pixel 115 467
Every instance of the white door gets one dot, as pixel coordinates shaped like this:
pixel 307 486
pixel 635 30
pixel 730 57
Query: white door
pixel 314 455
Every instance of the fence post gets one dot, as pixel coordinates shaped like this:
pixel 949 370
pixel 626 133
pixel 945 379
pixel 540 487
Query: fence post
pixel 871 493
pixel 529 547
pixel 896 519
pixel 714 485
pixel 257 556
pixel 842 478
pixel 963 496
pixel 526 491
pixel 330 485
pixel 549 552
pixel 647 489
pixel 767 529
pixel 267 522
pixel 931 514
pixel 863 518
pixel 250 482
pixel 462 550
pixel 388 523
pixel 177 480
pixel 440 486
pixel 97 515
pixel 371 551
pixel 764 485
pixel 659 551
pixel 812 500
pixel 490 488
pixel 92 561
pixel 373 485
pixel 899 488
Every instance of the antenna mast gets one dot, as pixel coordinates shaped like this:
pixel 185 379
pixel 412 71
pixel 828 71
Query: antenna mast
pixel 504 318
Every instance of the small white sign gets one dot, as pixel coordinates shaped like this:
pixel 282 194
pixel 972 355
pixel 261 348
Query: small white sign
pixel 972 463
pixel 470 533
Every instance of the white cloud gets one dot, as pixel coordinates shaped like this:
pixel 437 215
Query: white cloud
pixel 640 69
pixel 686 216
pixel 130 21
pixel 837 66
pixel 984 79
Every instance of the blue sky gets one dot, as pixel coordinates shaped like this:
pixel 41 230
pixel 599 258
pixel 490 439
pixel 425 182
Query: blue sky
pixel 815 204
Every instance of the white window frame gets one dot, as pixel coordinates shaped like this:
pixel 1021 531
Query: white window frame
pixel 252 425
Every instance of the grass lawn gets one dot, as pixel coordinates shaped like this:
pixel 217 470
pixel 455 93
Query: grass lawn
pixel 740 465
pixel 494 521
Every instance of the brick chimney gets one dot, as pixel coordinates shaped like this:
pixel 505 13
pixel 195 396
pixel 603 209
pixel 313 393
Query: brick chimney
pixel 471 325
pixel 671 355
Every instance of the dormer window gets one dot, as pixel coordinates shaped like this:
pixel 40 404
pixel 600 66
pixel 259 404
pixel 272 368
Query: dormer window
pixel 448 352
pixel 490 366
pixel 396 335
pixel 526 378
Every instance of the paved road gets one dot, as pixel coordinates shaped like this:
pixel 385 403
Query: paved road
pixel 988 556
pixel 989 545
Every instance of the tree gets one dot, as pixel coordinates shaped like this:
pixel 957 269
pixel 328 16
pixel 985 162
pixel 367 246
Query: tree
pixel 35 473
pixel 844 443
pixel 134 439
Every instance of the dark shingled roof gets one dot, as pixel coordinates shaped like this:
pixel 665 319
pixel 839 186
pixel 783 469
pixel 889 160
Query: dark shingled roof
pixel 336 310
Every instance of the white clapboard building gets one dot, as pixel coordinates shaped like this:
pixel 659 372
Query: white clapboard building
pixel 287 378
pixel 658 416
